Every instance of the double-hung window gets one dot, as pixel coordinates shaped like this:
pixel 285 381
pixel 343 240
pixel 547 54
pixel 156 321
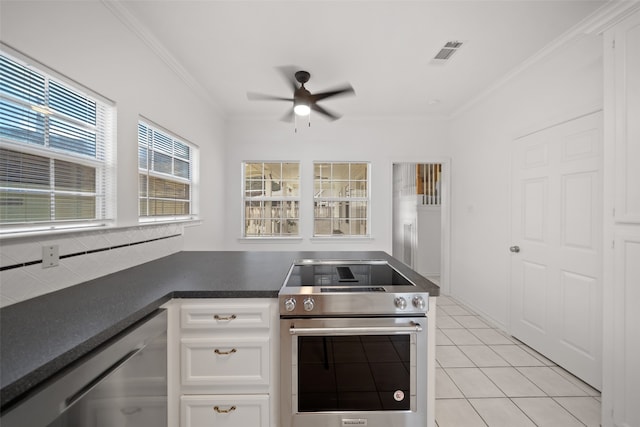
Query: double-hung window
pixel 166 170
pixel 56 150
pixel 271 199
pixel 341 199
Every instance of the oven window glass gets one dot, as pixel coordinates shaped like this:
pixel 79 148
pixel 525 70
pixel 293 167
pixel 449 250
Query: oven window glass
pixel 354 373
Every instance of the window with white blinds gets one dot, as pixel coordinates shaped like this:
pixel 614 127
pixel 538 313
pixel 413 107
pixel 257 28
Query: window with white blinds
pixel 55 151
pixel 166 172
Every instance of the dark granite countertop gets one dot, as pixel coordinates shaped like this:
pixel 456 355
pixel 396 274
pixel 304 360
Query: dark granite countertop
pixel 43 335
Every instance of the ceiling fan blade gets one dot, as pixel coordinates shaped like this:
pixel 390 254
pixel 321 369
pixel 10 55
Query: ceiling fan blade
pixel 262 97
pixel 327 113
pixel 288 117
pixel 288 72
pixel 345 90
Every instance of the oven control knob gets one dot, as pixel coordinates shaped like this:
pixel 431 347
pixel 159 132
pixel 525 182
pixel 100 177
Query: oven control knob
pixel 418 302
pixel 290 304
pixel 308 304
pixel 400 303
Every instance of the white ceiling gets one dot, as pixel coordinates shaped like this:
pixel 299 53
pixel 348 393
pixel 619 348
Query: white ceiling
pixel 383 48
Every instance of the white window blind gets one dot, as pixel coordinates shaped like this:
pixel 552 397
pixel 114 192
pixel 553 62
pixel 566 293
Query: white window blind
pixel 166 175
pixel 55 151
pixel 341 199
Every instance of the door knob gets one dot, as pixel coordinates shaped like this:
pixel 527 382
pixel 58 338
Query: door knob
pixel 515 249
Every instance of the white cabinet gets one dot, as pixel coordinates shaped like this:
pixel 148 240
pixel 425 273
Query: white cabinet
pixel 621 388
pixel 226 357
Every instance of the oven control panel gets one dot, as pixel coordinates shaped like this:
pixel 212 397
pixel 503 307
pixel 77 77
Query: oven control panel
pixel 336 304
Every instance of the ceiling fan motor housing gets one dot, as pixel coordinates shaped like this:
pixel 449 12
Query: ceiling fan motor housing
pixel 302 76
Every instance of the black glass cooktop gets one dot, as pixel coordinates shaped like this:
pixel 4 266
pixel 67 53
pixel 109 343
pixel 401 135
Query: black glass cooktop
pixel 346 275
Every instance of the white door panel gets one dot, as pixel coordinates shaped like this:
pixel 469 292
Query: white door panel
pixel 556 222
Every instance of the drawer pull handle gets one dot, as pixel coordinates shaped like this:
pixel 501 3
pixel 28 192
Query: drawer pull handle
pixel 216 351
pixel 224 411
pixel 224 318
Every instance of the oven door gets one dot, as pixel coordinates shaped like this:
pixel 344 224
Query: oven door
pixel 353 372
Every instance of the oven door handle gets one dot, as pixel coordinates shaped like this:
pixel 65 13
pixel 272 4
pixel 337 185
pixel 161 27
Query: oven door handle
pixel 363 330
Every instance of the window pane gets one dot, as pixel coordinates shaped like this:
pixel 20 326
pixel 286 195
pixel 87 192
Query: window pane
pixel 162 142
pixel 143 157
pixel 181 150
pixel 19 81
pixel 69 137
pixel 340 171
pixel 72 104
pixel 165 188
pixel 359 228
pixel 74 207
pixel 181 168
pixel 291 188
pixel 161 162
pixel 322 227
pixel 142 181
pixel 18 207
pixel 168 207
pixel 21 124
pixel 74 177
pixel 23 171
pixel 358 171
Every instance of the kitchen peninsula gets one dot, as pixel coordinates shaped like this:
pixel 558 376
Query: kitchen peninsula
pixel 41 336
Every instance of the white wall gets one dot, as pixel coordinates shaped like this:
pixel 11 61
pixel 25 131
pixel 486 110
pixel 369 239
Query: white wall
pixel 86 42
pixel 379 141
pixel 564 85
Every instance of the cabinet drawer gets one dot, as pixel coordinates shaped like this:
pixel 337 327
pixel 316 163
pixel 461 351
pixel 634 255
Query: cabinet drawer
pixel 226 365
pixel 226 315
pixel 224 411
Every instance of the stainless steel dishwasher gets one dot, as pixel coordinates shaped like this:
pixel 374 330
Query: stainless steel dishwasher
pixel 124 383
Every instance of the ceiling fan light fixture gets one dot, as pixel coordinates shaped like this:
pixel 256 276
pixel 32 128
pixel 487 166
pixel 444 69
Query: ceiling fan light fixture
pixel 302 109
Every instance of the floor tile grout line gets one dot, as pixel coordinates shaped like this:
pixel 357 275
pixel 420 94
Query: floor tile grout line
pixel 523 347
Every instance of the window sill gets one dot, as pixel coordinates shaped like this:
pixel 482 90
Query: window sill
pixel 93 228
pixel 56 231
pixel 342 238
pixel 187 222
pixel 269 239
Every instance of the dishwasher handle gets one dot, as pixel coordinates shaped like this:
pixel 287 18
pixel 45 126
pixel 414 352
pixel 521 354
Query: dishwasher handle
pixel 359 330
pixel 96 380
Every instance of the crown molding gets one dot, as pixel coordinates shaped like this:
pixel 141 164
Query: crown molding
pixel 143 33
pixel 599 21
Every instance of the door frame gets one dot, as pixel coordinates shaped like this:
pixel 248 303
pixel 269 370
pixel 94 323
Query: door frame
pixel 445 218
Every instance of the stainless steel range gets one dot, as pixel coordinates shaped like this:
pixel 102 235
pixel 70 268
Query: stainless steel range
pixel 353 340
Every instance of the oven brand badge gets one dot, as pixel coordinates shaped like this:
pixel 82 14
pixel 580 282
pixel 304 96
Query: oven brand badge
pixel 348 422
pixel 398 395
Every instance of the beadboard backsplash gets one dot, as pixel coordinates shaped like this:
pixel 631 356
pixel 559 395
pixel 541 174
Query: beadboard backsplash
pixel 83 256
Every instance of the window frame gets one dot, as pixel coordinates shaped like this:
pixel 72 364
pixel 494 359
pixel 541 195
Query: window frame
pixel 52 145
pixel 317 198
pixel 270 198
pixel 191 181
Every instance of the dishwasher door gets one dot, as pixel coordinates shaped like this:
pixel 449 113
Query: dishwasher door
pixel 121 384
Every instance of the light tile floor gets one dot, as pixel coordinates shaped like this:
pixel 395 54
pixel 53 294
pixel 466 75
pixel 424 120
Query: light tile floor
pixel 485 378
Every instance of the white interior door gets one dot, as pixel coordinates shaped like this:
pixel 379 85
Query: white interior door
pixel 556 263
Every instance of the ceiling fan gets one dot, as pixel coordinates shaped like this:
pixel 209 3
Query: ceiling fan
pixel 303 100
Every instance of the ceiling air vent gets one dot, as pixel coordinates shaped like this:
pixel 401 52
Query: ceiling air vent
pixel 447 51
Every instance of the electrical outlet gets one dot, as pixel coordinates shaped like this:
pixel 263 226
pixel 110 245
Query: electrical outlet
pixel 50 256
